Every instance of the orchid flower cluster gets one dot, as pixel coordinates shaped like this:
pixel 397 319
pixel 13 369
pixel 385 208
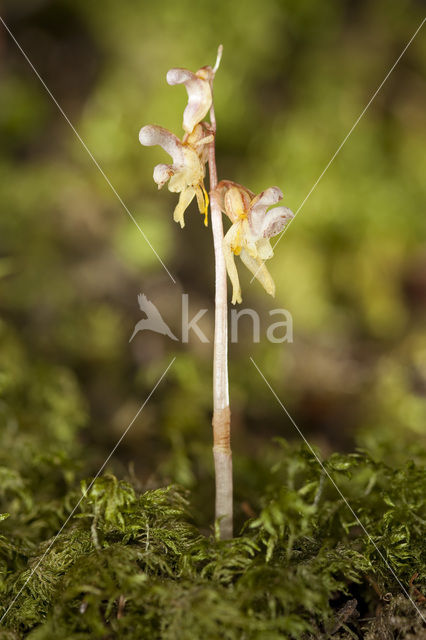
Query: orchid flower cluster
pixel 253 223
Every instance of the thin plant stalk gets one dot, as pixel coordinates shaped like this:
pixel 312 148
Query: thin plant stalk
pixel 221 412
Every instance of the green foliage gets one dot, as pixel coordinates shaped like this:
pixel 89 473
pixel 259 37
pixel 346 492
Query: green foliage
pixel 102 558
pixel 131 564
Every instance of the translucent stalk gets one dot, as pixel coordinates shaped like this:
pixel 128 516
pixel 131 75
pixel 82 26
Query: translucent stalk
pixel 221 412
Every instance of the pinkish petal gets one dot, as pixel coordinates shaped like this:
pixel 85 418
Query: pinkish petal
pixel 152 135
pixel 266 198
pixel 199 94
pixel 259 205
pixel 179 76
pixel 275 220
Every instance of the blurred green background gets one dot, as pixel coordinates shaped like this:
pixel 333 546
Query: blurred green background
pixel 351 268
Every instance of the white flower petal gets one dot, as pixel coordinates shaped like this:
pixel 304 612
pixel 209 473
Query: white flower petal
pixel 199 94
pixel 162 172
pixel 179 76
pixel 270 196
pixel 153 134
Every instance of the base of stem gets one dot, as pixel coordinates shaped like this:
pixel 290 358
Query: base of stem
pixel 222 455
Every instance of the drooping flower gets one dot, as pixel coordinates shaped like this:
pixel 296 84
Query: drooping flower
pixel 253 224
pixel 198 87
pixel 186 174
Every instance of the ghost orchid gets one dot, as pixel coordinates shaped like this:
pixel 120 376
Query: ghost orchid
pixel 253 224
pixel 186 174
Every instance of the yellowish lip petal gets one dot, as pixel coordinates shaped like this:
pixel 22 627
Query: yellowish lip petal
pixel 185 200
pixel 236 238
pixel 231 268
pixel 258 269
pixel 264 249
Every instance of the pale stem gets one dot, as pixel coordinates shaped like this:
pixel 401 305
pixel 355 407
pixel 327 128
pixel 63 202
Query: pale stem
pixel 221 412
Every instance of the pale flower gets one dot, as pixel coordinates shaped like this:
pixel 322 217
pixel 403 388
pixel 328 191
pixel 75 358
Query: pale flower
pixel 198 87
pixel 186 174
pixel 252 227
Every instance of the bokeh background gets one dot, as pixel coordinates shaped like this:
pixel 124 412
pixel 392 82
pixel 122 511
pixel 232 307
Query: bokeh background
pixel 351 269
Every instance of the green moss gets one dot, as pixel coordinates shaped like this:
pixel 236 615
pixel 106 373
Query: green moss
pixel 131 564
pixel 102 558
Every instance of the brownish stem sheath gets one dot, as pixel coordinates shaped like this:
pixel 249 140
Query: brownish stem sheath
pixel 221 413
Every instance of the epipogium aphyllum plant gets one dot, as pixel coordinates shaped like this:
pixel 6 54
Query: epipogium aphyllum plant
pixel 252 226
